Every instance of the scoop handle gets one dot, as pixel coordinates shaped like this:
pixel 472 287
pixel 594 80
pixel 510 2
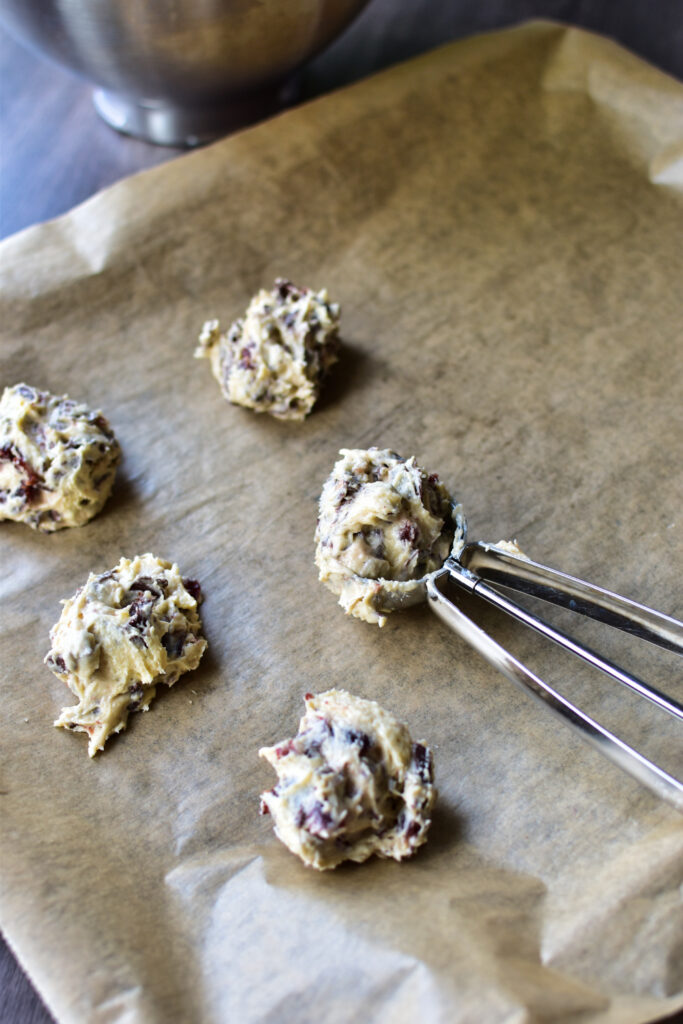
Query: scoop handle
pixel 520 573
pixel 663 785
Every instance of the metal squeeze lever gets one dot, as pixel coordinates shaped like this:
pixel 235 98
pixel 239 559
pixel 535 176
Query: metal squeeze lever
pixel 479 562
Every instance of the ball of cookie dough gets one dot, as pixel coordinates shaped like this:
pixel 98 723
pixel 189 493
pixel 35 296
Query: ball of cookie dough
pixel 383 525
pixel 118 637
pixel 58 459
pixel 351 783
pixel 274 359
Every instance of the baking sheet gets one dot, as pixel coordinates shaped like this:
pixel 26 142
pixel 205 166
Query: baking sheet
pixel 501 221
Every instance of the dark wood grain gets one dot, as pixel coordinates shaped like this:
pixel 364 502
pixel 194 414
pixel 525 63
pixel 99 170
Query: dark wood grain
pixel 19 1002
pixel 56 152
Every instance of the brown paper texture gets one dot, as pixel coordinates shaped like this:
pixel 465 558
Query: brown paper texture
pixel 502 222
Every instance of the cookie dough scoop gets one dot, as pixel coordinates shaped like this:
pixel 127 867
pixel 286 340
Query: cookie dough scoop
pixel 123 633
pixel 58 459
pixel 351 784
pixel 275 358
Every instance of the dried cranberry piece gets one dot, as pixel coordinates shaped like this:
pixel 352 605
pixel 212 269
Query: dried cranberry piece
pixel 140 610
pixel 142 583
pixel 193 588
pixel 317 820
pixel 146 585
pixel 412 829
pixel 285 288
pixel 102 425
pixel 422 759
pixel 284 749
pixel 136 692
pixel 30 487
pixel 359 739
pixel 409 533
pixel 245 361
pixel 431 496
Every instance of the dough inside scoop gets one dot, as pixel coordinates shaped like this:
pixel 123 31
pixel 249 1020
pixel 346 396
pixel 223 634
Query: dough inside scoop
pixel 58 459
pixel 124 632
pixel 384 524
pixel 351 784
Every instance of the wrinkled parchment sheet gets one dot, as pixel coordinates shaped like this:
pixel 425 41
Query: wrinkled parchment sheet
pixel 501 221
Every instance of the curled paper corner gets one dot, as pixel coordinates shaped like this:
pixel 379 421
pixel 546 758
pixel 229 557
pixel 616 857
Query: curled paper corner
pixel 666 168
pixel 637 103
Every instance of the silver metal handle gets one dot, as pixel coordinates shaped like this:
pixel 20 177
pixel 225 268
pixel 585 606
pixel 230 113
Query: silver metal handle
pixel 469 581
pixel 665 786
pixel 498 566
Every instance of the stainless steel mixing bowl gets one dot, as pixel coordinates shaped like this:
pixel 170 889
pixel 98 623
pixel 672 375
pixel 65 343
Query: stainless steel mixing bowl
pixel 180 71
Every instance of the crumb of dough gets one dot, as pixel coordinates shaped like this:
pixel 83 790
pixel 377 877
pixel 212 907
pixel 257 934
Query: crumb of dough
pixel 124 632
pixel 512 548
pixel 58 459
pixel 383 525
pixel 274 358
pixel 351 784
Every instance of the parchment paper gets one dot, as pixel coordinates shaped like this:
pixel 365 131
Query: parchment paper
pixel 502 222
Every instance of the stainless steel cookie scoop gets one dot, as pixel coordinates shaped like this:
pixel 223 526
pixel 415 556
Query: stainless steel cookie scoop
pixel 478 564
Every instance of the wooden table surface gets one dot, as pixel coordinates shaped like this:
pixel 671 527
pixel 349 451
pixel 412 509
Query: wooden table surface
pixel 56 152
